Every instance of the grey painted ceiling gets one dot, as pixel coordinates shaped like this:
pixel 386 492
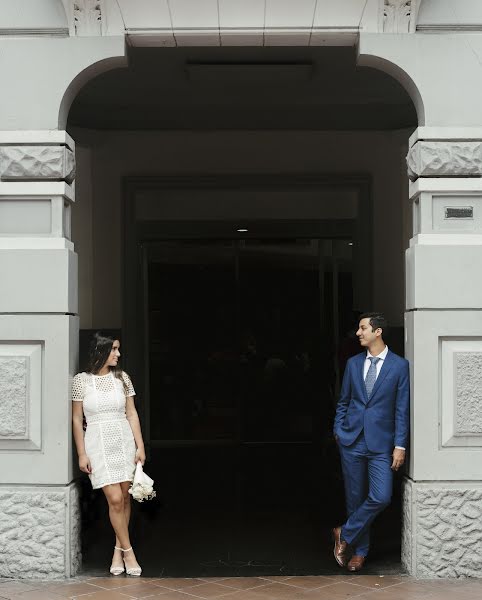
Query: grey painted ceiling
pixel 243 88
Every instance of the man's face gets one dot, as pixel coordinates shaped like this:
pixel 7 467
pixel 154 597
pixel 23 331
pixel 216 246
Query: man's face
pixel 365 333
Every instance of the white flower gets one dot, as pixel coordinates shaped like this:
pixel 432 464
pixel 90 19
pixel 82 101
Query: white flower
pixel 141 492
pixel 142 486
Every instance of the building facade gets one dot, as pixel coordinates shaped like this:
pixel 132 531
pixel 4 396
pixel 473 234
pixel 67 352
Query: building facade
pixel 51 49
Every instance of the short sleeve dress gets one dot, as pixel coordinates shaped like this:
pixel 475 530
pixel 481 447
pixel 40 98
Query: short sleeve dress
pixel 109 442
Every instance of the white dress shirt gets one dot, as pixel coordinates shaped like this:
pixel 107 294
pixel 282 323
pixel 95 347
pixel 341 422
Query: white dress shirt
pixel 382 356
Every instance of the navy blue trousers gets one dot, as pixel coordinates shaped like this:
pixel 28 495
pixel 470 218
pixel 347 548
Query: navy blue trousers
pixel 368 479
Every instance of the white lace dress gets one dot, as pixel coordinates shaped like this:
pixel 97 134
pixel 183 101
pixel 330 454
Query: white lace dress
pixel 109 442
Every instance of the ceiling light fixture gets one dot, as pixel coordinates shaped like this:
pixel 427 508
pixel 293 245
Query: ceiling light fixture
pixel 241 230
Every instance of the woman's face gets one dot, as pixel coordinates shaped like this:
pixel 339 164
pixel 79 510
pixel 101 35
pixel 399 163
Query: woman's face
pixel 114 355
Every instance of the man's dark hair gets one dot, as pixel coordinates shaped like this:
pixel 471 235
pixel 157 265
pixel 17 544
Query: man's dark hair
pixel 377 320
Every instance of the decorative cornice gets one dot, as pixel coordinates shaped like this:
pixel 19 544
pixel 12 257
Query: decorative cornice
pixel 34 32
pixel 37 163
pixel 399 16
pixel 445 159
pixel 88 15
pixel 144 26
pixel 452 27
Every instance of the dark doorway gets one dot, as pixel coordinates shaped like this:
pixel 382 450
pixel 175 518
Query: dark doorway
pixel 246 339
pixel 237 400
pixel 242 340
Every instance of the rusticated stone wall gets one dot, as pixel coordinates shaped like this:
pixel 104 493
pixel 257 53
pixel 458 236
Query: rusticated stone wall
pixel 446 524
pixel 449 532
pixel 75 531
pixel 37 163
pixel 407 533
pixel 445 159
pixel 39 532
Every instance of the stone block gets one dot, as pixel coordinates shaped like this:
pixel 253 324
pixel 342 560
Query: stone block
pixel 455 215
pixel 40 532
pixel 21 384
pixel 468 390
pixel 407 526
pixel 43 454
pixel 442 532
pixel 38 281
pixel 445 159
pixel 444 276
pixel 13 381
pixel 443 353
pixel 37 163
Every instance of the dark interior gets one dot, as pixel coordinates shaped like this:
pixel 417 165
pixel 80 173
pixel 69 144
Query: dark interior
pixel 245 355
pixel 245 335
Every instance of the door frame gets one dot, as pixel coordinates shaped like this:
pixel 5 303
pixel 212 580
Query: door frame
pixel 137 234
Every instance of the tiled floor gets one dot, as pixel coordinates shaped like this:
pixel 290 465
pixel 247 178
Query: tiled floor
pixel 338 587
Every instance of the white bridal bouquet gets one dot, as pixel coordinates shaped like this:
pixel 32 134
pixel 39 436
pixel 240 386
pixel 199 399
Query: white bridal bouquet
pixel 142 486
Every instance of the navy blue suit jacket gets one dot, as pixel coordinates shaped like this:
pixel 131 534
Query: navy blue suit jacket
pixel 385 418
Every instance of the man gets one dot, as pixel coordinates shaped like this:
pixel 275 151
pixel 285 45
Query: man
pixel 371 429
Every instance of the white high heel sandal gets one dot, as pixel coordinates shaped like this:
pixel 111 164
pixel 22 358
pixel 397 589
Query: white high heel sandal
pixel 133 571
pixel 117 570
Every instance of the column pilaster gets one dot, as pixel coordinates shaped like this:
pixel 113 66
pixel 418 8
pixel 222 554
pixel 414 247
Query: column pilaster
pixel 443 490
pixel 38 355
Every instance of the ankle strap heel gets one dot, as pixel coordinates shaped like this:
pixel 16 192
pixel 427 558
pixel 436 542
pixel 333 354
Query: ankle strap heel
pixel 133 571
pixel 116 570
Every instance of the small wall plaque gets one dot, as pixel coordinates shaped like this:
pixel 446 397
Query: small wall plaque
pixel 459 212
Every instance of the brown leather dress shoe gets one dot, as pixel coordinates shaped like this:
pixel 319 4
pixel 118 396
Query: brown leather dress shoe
pixel 339 548
pixel 356 563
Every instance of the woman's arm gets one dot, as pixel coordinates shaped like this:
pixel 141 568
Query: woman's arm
pixel 133 418
pixel 78 430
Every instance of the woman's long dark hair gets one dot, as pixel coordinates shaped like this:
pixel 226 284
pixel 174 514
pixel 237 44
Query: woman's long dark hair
pixel 99 350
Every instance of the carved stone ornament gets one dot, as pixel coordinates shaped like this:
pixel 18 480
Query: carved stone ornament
pixel 445 159
pixel 37 163
pixel 468 387
pixel 397 15
pixel 88 17
pixel 13 408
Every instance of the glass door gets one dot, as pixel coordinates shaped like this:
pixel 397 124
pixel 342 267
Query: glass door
pixel 244 337
pixel 192 328
pixel 281 338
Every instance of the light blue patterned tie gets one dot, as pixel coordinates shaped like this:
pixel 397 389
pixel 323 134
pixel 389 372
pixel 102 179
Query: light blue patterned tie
pixel 371 375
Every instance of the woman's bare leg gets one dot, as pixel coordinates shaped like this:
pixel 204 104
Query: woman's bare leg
pixel 117 514
pixel 130 558
pixel 125 485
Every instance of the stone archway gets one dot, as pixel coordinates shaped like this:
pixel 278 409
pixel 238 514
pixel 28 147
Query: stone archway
pixel 143 151
pixel 38 266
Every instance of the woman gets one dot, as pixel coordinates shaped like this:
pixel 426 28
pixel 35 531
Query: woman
pixel 113 443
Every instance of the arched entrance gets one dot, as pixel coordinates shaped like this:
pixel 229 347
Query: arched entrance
pixel 236 339
pixel 57 45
